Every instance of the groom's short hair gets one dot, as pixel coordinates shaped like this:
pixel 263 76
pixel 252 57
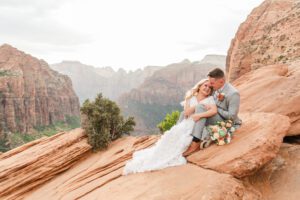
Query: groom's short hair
pixel 216 73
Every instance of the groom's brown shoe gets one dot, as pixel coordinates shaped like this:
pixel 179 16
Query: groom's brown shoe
pixel 195 146
pixel 205 143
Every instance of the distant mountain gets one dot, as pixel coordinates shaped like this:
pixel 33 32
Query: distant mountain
pixel 218 60
pixel 164 90
pixel 147 94
pixel 88 80
pixel 105 71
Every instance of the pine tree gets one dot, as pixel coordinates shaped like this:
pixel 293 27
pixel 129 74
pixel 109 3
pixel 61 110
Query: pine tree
pixel 103 122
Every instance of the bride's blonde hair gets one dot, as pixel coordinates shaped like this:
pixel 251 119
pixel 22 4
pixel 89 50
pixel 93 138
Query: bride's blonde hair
pixel 194 91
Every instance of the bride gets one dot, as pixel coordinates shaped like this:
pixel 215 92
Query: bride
pixel 168 150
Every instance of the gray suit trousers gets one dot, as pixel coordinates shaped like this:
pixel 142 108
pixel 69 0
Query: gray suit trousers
pixel 200 130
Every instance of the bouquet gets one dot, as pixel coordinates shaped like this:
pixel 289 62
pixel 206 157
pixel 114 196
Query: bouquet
pixel 222 132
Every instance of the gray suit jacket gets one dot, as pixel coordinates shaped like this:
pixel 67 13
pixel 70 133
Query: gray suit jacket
pixel 229 107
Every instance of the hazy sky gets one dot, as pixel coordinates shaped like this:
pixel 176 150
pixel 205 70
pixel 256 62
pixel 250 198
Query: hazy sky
pixel 122 33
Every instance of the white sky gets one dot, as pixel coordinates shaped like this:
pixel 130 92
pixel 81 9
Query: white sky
pixel 122 33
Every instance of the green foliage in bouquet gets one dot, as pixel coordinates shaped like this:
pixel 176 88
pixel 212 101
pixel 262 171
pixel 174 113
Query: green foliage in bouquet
pixel 103 122
pixel 169 121
pixel 222 132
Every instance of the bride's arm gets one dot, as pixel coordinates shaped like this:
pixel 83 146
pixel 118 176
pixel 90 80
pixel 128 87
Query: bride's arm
pixel 188 110
pixel 210 112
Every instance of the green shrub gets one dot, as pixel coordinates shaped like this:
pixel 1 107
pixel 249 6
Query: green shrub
pixel 103 122
pixel 280 58
pixel 17 139
pixel 169 121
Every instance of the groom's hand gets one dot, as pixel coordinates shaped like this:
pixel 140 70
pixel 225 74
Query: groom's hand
pixel 207 107
pixel 196 117
pixel 188 112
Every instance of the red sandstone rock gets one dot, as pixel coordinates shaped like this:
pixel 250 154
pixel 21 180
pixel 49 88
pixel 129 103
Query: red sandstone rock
pixel 32 94
pixel 184 182
pixel 280 179
pixel 264 60
pixel 254 144
pixel 275 89
pixel 99 177
pixel 28 166
pixel 25 172
pixel 31 165
pixel 270 35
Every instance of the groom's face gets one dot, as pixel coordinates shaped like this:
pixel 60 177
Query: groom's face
pixel 216 83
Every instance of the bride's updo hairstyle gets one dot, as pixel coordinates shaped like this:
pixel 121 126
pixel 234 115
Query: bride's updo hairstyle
pixel 194 91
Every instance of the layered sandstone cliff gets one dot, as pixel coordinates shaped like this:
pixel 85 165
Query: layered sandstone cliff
pixel 273 88
pixel 32 94
pixel 264 60
pixel 270 35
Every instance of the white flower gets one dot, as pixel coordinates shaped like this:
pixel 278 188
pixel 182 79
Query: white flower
pixel 221 142
pixel 216 135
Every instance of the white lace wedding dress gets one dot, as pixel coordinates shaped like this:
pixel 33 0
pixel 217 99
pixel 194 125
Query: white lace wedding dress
pixel 167 151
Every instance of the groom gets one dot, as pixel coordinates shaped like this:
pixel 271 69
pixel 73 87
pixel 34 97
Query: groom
pixel 227 99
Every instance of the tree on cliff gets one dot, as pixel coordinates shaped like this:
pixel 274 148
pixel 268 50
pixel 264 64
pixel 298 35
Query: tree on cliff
pixel 103 122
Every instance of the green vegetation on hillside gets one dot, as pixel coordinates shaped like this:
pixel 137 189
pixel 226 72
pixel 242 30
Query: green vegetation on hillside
pixel 4 72
pixel 13 140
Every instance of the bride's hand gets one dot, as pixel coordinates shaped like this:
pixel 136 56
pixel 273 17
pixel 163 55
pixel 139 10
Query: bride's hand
pixel 186 115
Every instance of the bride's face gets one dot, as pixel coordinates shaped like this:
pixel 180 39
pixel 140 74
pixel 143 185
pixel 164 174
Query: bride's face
pixel 205 88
